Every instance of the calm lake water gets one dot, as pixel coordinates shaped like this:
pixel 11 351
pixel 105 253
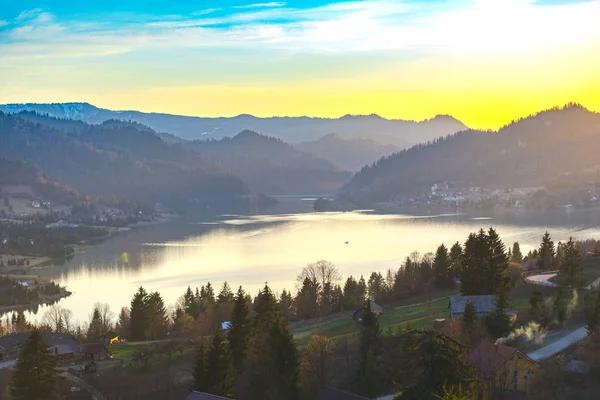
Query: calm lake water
pixel 250 251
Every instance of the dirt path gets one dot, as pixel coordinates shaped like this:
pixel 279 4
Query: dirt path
pixel 559 345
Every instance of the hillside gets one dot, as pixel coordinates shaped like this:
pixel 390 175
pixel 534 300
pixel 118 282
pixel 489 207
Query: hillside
pixel 291 129
pixel 272 166
pixel 17 173
pixel 527 152
pixel 119 159
pixel 348 153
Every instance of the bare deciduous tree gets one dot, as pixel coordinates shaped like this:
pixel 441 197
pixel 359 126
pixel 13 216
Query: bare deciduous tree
pixel 59 319
pixel 323 272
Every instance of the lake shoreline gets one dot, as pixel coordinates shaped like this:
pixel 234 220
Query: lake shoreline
pixel 45 301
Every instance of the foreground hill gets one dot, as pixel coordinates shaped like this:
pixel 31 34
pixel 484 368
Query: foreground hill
pixel 272 166
pixel 348 153
pixel 291 129
pixel 527 152
pixel 119 159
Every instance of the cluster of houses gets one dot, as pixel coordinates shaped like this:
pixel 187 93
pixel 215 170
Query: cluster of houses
pixel 63 346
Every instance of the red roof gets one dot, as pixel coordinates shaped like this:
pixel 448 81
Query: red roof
pixel 489 358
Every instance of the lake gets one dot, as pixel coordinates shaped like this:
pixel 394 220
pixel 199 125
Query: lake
pixel 250 251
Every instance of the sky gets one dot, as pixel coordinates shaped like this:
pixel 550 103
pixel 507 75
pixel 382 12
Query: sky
pixel 485 62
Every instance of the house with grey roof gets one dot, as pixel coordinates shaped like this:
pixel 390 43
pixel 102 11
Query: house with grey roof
pixel 484 305
pixel 61 344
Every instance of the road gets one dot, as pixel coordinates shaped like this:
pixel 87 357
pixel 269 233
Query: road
pixel 559 345
pixel 7 364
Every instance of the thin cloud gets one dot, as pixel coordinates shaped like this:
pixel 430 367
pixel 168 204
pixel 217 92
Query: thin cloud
pixel 340 27
pixel 263 5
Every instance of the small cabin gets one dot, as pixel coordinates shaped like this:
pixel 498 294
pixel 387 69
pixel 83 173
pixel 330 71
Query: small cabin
pixel 376 308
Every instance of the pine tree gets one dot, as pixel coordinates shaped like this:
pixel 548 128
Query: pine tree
pixel 239 331
pixel 517 256
pixel 191 303
pixel 272 365
pixel 571 269
pixel 158 321
pixel 95 329
pixel 560 306
pixel 201 383
pixel 497 265
pixel 36 374
pixel 286 303
pixel 434 362
pixel 209 295
pixel 497 322
pixel 470 314
pixel 226 295
pixel 546 253
pixel 442 275
pixel 139 318
pixel 307 304
pixel 473 266
pixel 219 372
pixel 455 259
pixel 368 381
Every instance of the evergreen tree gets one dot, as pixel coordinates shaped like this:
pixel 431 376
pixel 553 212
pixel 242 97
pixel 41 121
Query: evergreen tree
pixel 470 314
pixel 209 295
pixel 307 304
pixel 497 266
pixel 95 329
pixel 361 290
pixel 536 303
pixel 375 287
pixel 368 380
pixel 455 259
pixel 434 361
pixel 124 323
pixel 546 253
pixel 594 315
pixel 272 365
pixel 201 383
pixel 158 321
pixel 560 306
pixel 516 255
pixel 35 375
pixel 473 265
pixel 442 274
pixel 351 298
pixel 139 318
pixel 286 303
pixel 226 295
pixel 191 303
pixel 497 322
pixel 219 372
pixel 571 269
pixel 239 331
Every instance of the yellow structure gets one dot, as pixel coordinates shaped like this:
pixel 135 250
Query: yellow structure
pixel 506 372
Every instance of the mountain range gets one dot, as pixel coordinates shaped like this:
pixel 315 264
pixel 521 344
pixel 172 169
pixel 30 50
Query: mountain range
pixel 529 152
pixel 269 165
pixel 399 133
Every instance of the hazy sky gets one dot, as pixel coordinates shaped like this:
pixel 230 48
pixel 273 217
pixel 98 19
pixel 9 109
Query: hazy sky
pixel 482 61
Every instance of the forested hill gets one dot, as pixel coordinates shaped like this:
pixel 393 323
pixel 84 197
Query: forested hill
pixel 20 173
pixel 401 133
pixel 348 153
pixel 118 159
pixel 272 166
pixel 527 152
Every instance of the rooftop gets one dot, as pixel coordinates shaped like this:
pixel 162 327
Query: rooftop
pixel 483 304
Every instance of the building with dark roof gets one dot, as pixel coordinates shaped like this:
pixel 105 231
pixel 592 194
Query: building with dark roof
pixel 484 305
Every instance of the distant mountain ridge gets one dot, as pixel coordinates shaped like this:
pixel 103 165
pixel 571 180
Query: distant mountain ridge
pixel 400 133
pixel 272 166
pixel 348 153
pixel 527 152
pixel 119 159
